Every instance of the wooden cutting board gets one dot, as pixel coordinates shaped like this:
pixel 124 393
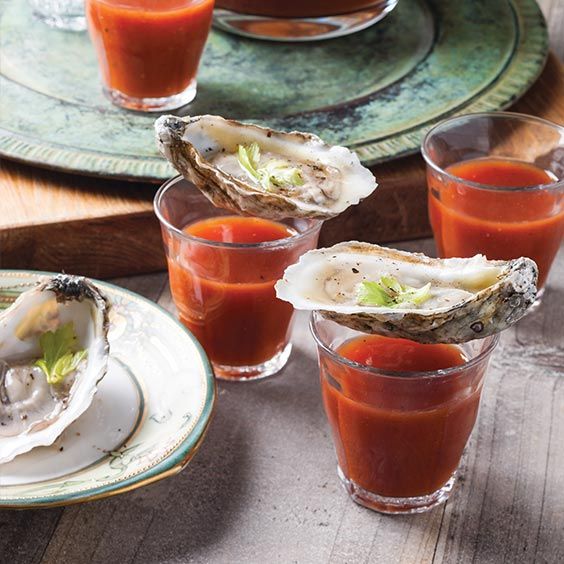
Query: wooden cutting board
pixel 104 228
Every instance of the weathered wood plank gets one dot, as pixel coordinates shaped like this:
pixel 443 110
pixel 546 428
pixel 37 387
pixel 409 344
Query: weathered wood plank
pixel 510 459
pixel 539 337
pixel 552 523
pixel 24 535
pixel 263 487
pixel 514 472
pixel 88 523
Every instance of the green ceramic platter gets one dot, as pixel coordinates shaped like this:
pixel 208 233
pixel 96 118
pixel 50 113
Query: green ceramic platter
pixel 377 91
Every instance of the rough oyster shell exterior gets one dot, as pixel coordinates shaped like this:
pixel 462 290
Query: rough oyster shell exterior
pixel 189 144
pixel 478 314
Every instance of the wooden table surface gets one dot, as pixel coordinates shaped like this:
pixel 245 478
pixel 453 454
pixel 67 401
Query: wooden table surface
pixel 263 487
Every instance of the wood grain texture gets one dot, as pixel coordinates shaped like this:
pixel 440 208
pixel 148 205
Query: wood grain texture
pixel 263 487
pixel 59 222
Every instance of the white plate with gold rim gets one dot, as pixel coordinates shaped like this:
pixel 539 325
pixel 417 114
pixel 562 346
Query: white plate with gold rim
pixel 148 418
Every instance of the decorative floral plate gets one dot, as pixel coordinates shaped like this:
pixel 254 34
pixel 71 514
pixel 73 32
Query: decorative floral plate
pixel 147 419
pixel 377 91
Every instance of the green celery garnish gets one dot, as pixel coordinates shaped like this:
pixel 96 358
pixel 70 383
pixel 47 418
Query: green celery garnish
pixel 389 292
pixel 249 157
pixel 280 174
pixel 373 294
pixel 59 359
pixel 277 173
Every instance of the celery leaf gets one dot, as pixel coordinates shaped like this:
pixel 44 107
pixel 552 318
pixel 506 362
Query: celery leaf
pixel 389 292
pixel 59 359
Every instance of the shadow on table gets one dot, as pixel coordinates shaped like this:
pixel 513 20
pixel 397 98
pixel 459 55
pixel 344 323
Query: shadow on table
pixel 292 397
pixel 258 432
pixel 178 516
pixel 223 486
pixel 202 504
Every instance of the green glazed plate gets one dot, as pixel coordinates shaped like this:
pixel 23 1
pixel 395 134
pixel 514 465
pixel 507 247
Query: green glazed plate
pixel 137 430
pixel 377 91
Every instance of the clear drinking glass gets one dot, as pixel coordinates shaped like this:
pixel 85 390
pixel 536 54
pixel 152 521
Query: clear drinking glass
pixel 299 20
pixel 398 436
pixel 224 292
pixel 62 14
pixel 149 51
pixel 502 222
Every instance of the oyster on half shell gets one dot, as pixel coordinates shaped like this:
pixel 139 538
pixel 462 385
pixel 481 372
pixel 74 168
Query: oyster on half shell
pixel 258 171
pixel 378 290
pixel 72 315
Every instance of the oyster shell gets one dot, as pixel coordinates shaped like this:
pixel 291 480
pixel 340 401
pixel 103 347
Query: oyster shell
pixel 467 298
pixel 32 411
pixel 205 150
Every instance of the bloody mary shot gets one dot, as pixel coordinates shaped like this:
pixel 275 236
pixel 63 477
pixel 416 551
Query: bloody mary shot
pixel 403 343
pixel 400 413
pixel 251 203
pixel 149 50
pixel 496 187
pixel 222 271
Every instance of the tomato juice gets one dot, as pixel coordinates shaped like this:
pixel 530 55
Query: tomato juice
pixel 223 285
pixel 499 223
pixel 149 48
pixel 399 436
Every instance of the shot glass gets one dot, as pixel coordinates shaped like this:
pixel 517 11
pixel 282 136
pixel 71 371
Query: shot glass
pixel 496 187
pixel 62 14
pixel 149 50
pixel 398 436
pixel 224 291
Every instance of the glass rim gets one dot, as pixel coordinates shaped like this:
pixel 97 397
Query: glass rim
pixel 275 244
pixel 557 184
pixel 401 374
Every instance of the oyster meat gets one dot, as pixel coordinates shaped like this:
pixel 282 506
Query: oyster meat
pixel 374 289
pixel 257 171
pixel 53 353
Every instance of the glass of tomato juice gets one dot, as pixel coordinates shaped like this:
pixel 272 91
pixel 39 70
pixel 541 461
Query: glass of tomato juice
pixel 400 413
pixel 149 50
pixel 496 187
pixel 222 270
